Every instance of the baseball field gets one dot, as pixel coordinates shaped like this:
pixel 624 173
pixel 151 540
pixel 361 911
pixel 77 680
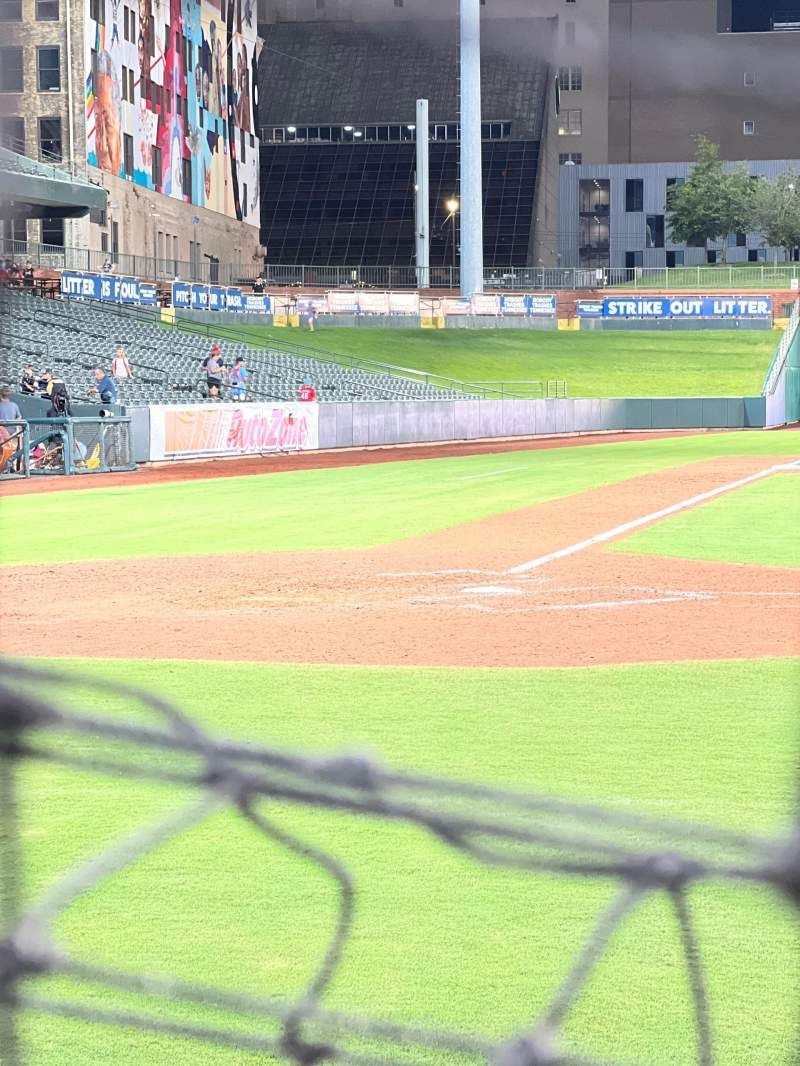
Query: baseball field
pixel 611 621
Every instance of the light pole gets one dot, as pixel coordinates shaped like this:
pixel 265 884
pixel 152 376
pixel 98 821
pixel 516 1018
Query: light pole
pixel 195 267
pixel 471 176
pixel 452 206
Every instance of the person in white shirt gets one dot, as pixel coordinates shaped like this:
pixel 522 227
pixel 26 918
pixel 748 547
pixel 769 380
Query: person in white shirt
pixel 120 367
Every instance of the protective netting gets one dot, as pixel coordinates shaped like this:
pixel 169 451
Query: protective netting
pixel 519 831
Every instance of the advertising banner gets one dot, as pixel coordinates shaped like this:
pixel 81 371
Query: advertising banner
pixel 232 429
pixel 373 303
pixel 234 300
pixel 181 294
pixel 486 304
pixel 255 303
pixel 107 287
pixel 514 305
pixel 456 307
pixel 403 303
pixel 305 303
pixel 590 308
pixel 696 307
pixel 343 303
pixel 199 297
pixel 541 304
pixel 216 298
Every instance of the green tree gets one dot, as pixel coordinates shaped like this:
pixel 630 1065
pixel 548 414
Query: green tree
pixel 712 203
pixel 776 211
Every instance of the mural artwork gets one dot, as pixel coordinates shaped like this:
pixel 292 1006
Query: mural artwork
pixel 171 99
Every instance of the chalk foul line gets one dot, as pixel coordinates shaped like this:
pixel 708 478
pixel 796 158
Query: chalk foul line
pixel 654 516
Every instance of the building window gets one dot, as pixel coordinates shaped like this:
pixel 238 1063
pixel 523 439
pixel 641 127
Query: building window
pixel 654 231
pixel 97 216
pixel 756 255
pixel 244 198
pixel 127 154
pixel 12 133
pixel 242 147
pixel 748 127
pixel 675 181
pixel 676 258
pixel 570 157
pixel 570 122
pixel 740 240
pixel 156 167
pixel 398 3
pixel 634 259
pixel 711 257
pixel 569 33
pixel 53 232
pixel 97 11
pixel 749 78
pixel 186 165
pixel 570 79
pixel 50 139
pixel 103 242
pixel 114 239
pixel 10 70
pixel 49 69
pixel 10 10
pixel 47 10
pixel 129 25
pixel 634 194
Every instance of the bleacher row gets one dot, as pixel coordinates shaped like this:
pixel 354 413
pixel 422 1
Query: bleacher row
pixel 72 338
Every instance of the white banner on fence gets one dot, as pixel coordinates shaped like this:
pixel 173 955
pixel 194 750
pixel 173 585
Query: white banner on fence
pixel 209 430
pixel 404 303
pixel 456 307
pixel 373 303
pixel 342 303
pixel 486 304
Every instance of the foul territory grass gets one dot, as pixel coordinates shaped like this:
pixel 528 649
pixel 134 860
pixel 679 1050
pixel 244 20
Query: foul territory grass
pixel 437 938
pixel 718 363
pixel 759 523
pixel 335 509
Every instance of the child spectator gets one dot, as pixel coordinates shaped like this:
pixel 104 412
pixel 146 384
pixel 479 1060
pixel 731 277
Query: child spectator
pixel 120 367
pixel 238 379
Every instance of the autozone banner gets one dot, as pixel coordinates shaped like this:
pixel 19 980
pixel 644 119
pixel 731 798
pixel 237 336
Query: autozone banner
pixel 677 307
pixel 211 430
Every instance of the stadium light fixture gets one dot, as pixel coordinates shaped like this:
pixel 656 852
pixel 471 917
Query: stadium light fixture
pixel 291 129
pixel 452 205
pixel 357 133
pixel 348 129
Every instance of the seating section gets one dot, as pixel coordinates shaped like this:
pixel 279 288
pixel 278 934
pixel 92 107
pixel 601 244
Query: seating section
pixel 72 338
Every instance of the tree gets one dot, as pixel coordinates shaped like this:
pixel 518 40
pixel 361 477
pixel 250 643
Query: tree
pixel 712 203
pixel 776 211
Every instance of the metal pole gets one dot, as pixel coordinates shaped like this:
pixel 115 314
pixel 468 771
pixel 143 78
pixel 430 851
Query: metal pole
pixel 422 200
pixel 471 176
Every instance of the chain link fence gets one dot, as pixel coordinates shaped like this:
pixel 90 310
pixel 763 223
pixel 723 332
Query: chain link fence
pixel 523 832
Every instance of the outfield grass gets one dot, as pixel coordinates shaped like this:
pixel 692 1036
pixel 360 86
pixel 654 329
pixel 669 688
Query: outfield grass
pixel 719 363
pixel 438 939
pixel 759 523
pixel 352 507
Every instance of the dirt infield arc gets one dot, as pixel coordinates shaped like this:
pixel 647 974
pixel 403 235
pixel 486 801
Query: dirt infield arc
pixel 446 599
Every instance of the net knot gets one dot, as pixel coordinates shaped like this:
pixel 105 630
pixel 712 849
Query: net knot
pixel 785 871
pixel 665 869
pixel 537 1050
pixel 351 770
pixel 301 1051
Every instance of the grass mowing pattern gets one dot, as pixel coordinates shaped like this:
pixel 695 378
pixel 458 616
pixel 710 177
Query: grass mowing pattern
pixel 646 363
pixel 437 938
pixel 759 523
pixel 335 509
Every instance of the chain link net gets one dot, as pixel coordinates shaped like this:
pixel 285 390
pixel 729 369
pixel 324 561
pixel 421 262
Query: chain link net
pixel 518 831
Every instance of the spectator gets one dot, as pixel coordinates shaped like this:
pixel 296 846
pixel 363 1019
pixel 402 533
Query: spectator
pixel 258 285
pixel 108 265
pixel 9 412
pixel 120 367
pixel 27 277
pixel 214 368
pixel 307 392
pixel 28 382
pixel 237 379
pixel 105 387
pixel 56 391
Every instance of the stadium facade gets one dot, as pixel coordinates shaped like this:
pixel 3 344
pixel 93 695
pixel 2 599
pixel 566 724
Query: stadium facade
pixel 637 81
pixel 155 101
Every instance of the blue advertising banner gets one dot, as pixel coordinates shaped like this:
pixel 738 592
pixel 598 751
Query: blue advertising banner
pixel 181 294
pixel 677 307
pixel 540 305
pixel 256 303
pixel 108 288
pixel 199 297
pixel 234 300
pixel 216 298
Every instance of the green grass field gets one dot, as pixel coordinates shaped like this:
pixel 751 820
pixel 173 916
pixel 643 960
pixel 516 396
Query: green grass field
pixel 722 363
pixel 354 507
pixel 437 939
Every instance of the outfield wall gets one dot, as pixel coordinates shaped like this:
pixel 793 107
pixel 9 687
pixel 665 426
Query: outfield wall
pixel 385 423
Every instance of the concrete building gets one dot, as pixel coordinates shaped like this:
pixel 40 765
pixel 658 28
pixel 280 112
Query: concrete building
pixel 614 216
pixel 638 80
pixel 156 103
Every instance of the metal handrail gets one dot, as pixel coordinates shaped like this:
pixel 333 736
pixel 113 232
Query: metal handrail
pixel 782 351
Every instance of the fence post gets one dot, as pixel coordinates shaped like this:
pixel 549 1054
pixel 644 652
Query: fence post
pixel 762 274
pixel 730 276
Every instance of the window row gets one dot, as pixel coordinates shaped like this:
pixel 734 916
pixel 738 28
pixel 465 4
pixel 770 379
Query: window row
pixel 12 136
pixel 48 69
pixel 438 131
pixel 46 10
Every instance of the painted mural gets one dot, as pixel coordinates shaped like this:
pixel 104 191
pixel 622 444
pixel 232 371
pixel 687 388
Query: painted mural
pixel 171 99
